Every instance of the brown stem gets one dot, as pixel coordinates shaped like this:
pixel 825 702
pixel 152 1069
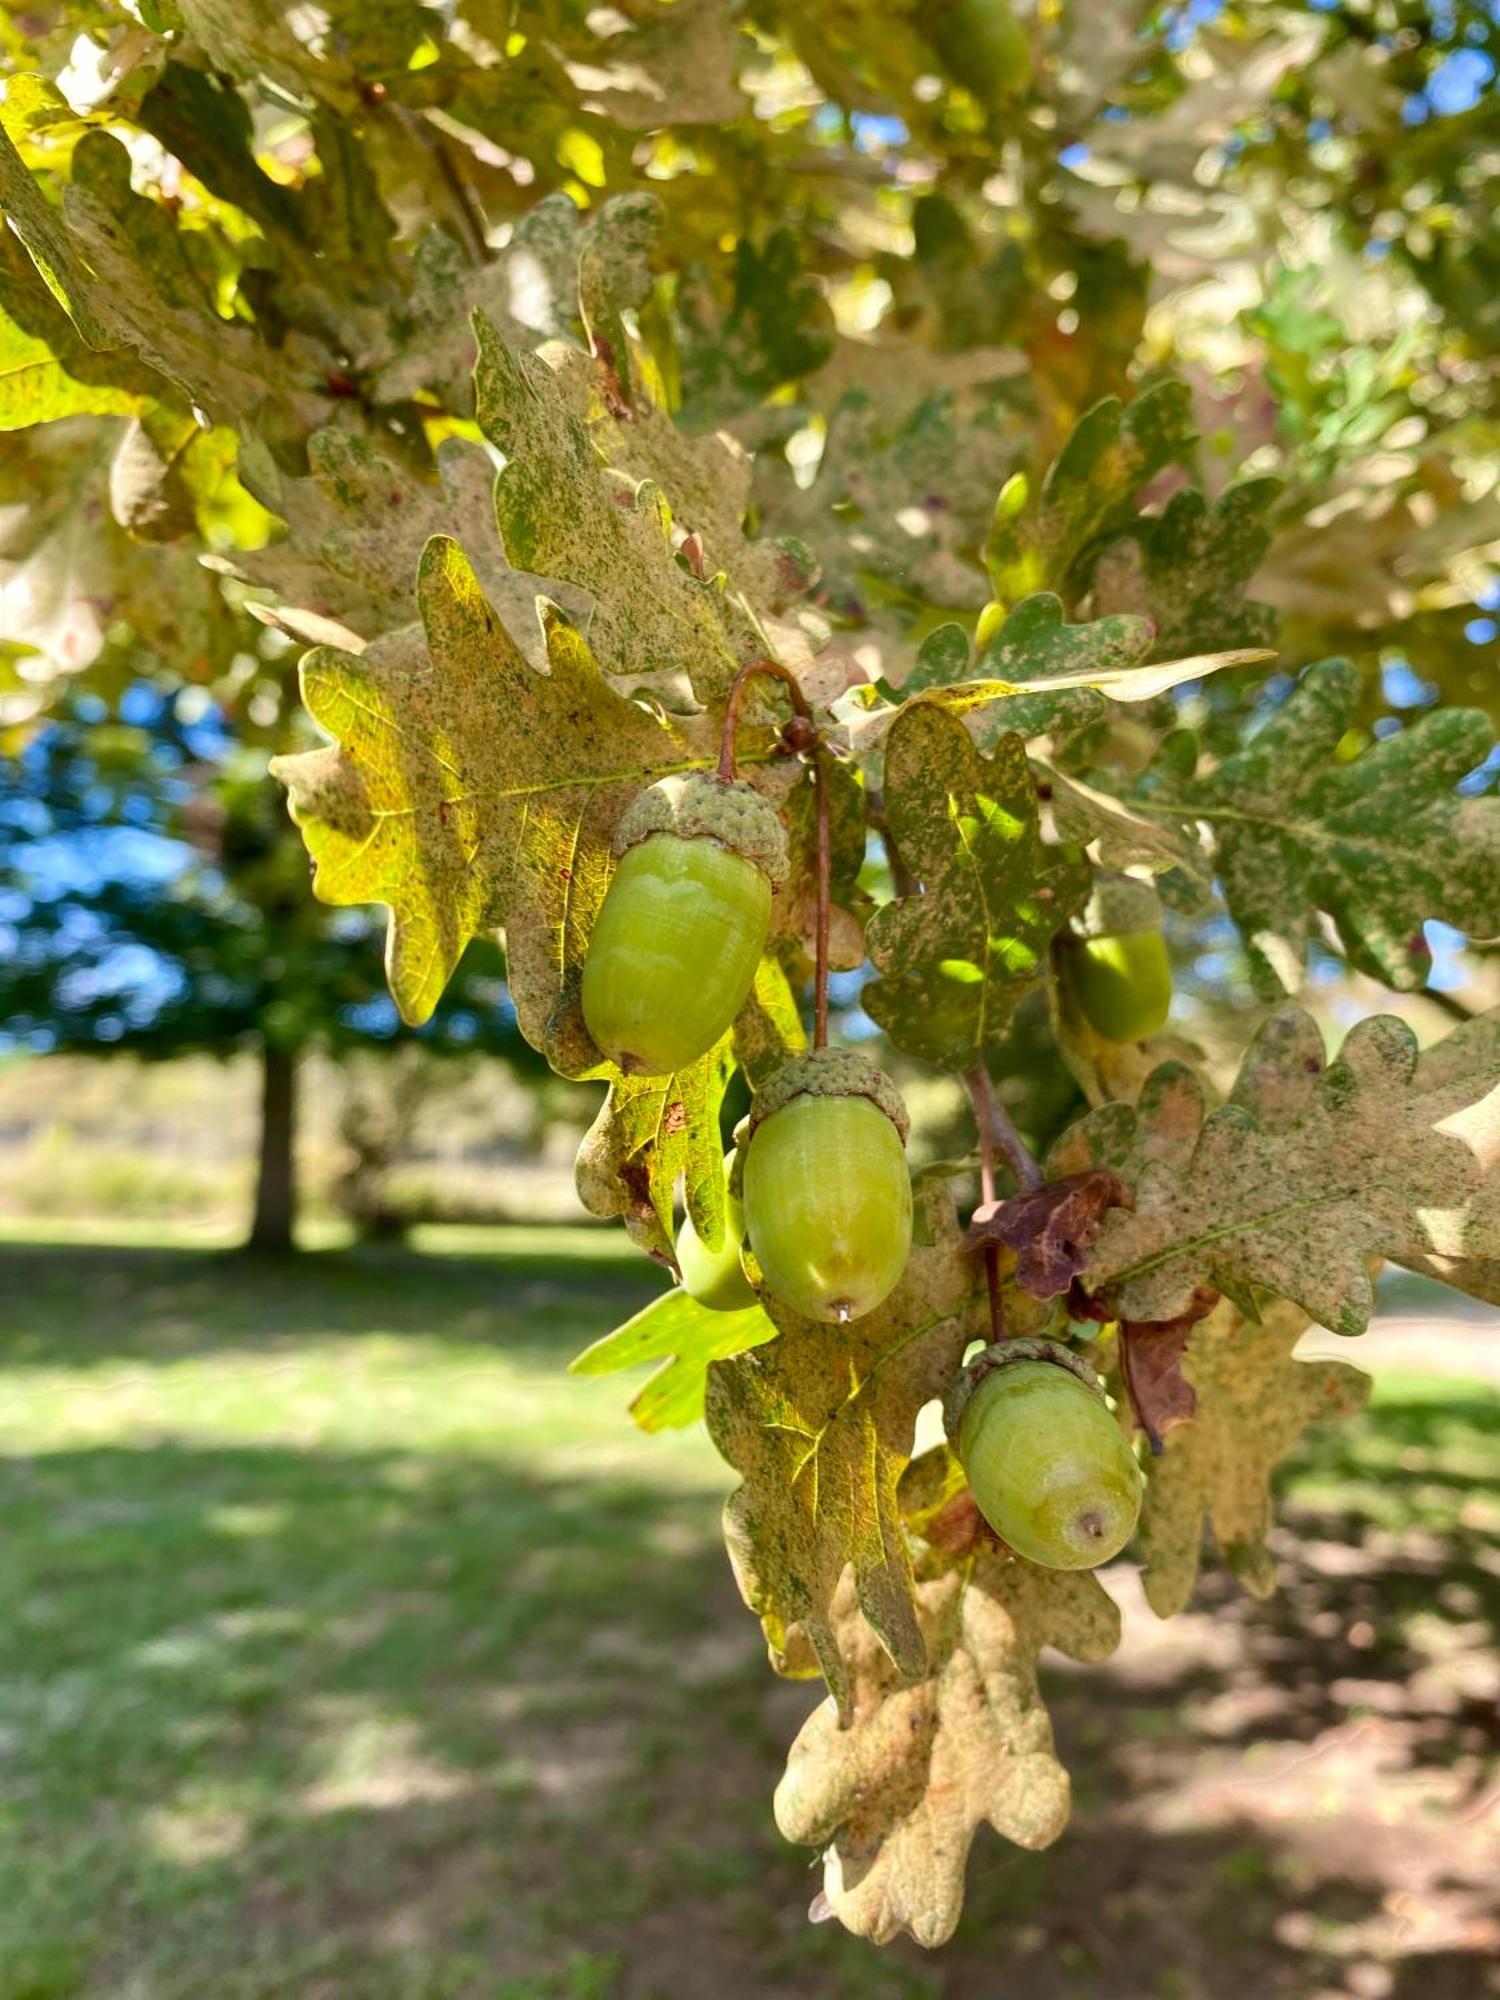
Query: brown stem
pixel 997 1133
pixel 1450 1004
pixel 977 1083
pixel 819 757
pixel 742 680
pixel 825 892
pixel 467 213
pixel 904 881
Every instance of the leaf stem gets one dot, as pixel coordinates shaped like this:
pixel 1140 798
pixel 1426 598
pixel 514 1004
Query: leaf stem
pixel 811 744
pixel 825 873
pixel 996 1134
pixel 732 706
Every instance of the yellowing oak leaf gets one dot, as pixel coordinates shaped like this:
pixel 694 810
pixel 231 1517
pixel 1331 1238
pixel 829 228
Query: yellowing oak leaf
pixel 819 1425
pixel 895 1797
pixel 467 791
pixel 1253 1404
pixel 1311 1173
pixel 650 1130
pixel 562 513
pixel 956 955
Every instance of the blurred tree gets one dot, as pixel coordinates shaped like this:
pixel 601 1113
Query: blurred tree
pixel 153 897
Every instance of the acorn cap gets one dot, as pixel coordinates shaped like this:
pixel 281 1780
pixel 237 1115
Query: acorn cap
pixel 1000 1355
pixel 830 1073
pixel 698 805
pixel 1119 905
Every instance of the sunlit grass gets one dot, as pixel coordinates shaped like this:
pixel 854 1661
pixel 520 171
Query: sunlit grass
pixel 352 1648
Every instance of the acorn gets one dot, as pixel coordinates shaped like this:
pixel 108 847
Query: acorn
pixel 1116 968
pixel 1049 1468
pixel 716 1278
pixel 827 1194
pixel 985 48
pixel 684 922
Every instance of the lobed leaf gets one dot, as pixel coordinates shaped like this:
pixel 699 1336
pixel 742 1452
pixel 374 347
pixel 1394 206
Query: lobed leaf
pixel 1115 450
pixel 895 1794
pixel 562 513
pixel 956 956
pixel 1381 841
pixel 1310 1174
pixel 649 1131
pixel 819 1425
pixel 468 791
pixel 1253 1402
pixel 685 1337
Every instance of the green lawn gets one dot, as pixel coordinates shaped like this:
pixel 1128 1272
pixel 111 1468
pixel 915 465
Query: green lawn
pixel 352 1649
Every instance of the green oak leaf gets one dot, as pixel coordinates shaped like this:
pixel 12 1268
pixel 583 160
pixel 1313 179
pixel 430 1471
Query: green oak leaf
pixel 1124 837
pixel 36 388
pixel 1088 492
pixel 650 1130
pixel 684 1337
pixel 734 342
pixel 1381 842
pixel 821 1450
pixel 1188 567
pixel 468 791
pixel 895 1793
pixel 1310 1174
pixel 1035 641
pixel 956 956
pixel 1460 1065
pixel 1253 1404
pixel 563 514
pixel 57 257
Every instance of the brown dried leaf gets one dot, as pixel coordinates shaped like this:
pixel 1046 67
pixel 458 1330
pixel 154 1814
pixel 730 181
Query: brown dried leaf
pixel 1051 1228
pixel 1151 1355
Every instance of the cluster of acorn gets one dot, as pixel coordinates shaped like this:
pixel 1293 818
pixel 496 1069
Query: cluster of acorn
pixel 819 1191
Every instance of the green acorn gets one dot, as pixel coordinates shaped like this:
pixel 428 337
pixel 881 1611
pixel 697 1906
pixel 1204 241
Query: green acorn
pixel 683 925
pixel 985 48
pixel 1117 970
pixel 716 1278
pixel 827 1193
pixel 1049 1468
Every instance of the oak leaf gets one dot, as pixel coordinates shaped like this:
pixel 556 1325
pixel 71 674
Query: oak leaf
pixel 1253 1402
pixel 1312 1172
pixel 819 1424
pixel 896 1796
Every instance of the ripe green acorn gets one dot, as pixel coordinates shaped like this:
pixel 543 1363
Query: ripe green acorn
pixel 984 47
pixel 683 924
pixel 1049 1468
pixel 1123 983
pixel 716 1278
pixel 826 1190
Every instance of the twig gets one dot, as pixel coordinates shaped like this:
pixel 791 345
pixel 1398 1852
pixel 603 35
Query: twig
pixel 977 1082
pixel 466 209
pixel 733 705
pixel 1449 1004
pixel 811 743
pixel 997 1133
pixel 825 895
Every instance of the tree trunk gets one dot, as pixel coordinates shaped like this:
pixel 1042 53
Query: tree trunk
pixel 276 1180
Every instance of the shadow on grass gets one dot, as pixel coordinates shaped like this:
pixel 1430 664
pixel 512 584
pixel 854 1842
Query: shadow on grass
pixel 438 1723
pixel 82 1304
